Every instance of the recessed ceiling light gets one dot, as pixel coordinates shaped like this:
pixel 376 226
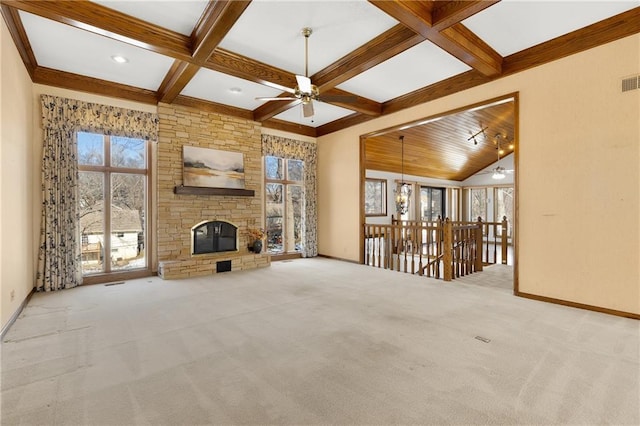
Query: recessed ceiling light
pixel 119 59
pixel 235 90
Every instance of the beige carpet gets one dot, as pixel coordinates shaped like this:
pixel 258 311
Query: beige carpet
pixel 315 341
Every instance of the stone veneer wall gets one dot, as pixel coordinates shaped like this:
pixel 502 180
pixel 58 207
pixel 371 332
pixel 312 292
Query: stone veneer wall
pixel 177 214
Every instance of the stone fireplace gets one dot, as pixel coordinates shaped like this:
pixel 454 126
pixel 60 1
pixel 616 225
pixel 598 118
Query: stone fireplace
pixel 214 236
pixel 201 232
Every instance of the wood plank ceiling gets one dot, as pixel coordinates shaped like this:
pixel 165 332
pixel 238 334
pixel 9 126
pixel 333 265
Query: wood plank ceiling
pixel 452 147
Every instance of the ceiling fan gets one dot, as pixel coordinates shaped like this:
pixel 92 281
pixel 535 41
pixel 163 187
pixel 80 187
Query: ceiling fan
pixel 305 91
pixel 498 172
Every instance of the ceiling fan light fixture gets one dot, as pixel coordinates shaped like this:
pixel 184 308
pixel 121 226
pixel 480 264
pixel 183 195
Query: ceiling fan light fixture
pixel 498 174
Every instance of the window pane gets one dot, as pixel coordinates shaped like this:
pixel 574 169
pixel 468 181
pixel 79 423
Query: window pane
pixel 90 148
pixel 91 207
pixel 294 169
pixel 431 203
pixel 478 204
pixel 375 197
pixel 505 208
pixel 295 203
pixel 273 168
pixel 455 194
pixel 127 221
pixel 275 215
pixel 128 152
pixel 437 204
pixel 425 196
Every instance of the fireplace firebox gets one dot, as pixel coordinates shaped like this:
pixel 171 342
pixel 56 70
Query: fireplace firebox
pixel 214 237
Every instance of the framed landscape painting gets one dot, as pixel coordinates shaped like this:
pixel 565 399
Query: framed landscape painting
pixel 212 168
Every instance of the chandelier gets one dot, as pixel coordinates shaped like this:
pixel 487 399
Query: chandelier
pixel 403 192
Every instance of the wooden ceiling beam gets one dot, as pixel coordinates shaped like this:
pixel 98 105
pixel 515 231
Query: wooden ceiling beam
pixel 248 69
pixel 287 126
pixel 385 46
pixel 447 13
pixel 214 107
pixel 20 39
pixel 343 123
pixel 273 108
pixel 81 83
pixel 215 22
pixel 619 26
pixel 462 43
pixel 101 20
pixel 359 104
pixel 178 76
pixel 456 39
pixel 434 91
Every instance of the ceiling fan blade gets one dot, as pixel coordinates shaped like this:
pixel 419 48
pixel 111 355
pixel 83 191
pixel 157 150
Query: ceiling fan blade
pixel 307 109
pixel 338 98
pixel 304 83
pixel 266 98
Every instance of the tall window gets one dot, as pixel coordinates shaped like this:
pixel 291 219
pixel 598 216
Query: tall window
pixel 112 202
pixel 432 202
pixel 284 204
pixel 478 204
pixel 375 197
pixel 504 207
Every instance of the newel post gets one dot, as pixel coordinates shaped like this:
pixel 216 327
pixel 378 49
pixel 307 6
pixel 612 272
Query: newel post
pixel 504 240
pixel 447 258
pixel 479 251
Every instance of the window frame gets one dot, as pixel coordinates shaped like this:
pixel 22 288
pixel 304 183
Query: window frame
pixel 285 182
pixel 443 201
pixel 383 195
pixel 107 170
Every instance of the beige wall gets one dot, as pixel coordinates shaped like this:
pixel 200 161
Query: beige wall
pixel 579 183
pixel 16 180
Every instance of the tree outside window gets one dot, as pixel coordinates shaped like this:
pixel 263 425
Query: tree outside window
pixel 284 193
pixel 375 197
pixel 112 202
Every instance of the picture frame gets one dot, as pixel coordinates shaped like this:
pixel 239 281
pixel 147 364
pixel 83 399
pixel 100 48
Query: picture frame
pixel 212 168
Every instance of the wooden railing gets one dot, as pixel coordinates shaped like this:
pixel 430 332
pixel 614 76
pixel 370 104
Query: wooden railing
pixel 438 249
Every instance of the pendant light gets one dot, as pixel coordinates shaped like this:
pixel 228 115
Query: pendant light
pixel 404 191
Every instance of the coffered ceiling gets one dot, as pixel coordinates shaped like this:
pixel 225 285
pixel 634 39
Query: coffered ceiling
pixel 219 56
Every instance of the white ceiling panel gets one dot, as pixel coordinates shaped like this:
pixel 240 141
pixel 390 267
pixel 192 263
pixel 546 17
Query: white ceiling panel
pixel 65 48
pixel 514 25
pixel 179 16
pixel 420 66
pixel 225 89
pixel 323 113
pixel 270 32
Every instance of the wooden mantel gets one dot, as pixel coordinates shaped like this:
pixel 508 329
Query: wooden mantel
pixel 197 190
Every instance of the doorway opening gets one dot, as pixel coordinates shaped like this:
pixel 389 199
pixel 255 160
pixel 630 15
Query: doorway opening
pixel 461 166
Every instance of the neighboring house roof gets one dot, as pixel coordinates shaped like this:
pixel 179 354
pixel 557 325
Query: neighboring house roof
pixel 122 220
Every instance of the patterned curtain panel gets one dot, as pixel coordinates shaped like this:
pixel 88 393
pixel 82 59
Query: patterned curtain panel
pixel 307 152
pixel 59 255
